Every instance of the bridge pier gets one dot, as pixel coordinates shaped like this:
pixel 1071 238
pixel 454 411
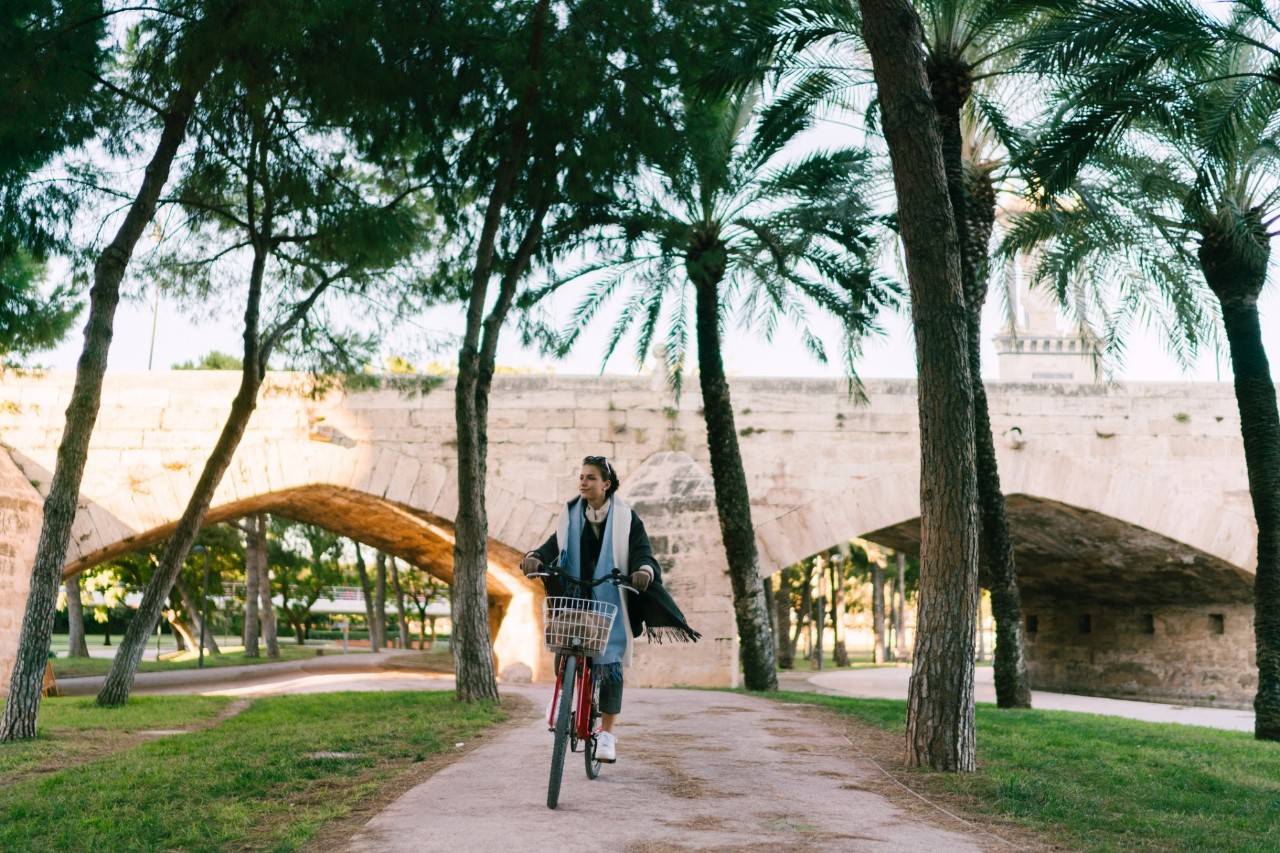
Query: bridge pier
pixel 21 511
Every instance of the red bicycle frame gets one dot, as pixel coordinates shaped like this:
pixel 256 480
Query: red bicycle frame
pixel 582 697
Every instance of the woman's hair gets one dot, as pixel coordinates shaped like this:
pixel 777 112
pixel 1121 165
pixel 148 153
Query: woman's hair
pixel 601 464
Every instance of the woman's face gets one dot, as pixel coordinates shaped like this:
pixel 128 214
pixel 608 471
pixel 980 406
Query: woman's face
pixel 592 485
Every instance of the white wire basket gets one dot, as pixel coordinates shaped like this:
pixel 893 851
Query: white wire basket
pixel 577 625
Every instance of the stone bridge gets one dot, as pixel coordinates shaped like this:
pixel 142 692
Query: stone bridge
pixel 1129 503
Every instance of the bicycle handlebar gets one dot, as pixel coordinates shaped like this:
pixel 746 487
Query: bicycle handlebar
pixel 615 577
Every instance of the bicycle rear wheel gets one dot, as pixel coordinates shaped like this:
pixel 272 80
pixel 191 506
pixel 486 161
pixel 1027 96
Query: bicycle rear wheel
pixel 564 721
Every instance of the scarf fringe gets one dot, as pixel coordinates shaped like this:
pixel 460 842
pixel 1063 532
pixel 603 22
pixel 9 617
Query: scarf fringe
pixel 607 672
pixel 672 633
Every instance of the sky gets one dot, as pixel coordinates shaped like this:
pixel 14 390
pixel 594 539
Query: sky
pixel 180 337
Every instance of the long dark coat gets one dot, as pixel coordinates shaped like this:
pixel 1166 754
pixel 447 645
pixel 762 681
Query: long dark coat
pixel 652 612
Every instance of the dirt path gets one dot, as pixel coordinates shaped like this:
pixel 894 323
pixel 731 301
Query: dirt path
pixel 697 770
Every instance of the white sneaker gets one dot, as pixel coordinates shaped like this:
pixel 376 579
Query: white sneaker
pixel 606 748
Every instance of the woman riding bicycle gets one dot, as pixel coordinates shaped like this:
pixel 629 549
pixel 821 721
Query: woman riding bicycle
pixel 598 532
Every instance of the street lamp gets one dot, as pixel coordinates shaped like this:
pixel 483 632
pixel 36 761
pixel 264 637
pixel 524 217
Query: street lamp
pixel 204 604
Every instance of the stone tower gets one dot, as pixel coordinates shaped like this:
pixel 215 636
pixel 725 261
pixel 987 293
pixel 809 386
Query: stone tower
pixel 1041 346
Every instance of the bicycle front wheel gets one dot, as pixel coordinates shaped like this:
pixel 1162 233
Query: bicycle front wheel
pixel 564 721
pixel 589 746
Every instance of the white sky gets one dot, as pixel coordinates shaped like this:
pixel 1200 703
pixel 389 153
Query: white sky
pixel 180 337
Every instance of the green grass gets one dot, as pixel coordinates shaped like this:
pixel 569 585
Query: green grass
pixel 248 781
pixel 73 728
pixel 855 662
pixel 1107 783
pixel 76 667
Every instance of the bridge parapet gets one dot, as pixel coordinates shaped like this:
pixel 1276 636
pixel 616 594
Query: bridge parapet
pixel 821 466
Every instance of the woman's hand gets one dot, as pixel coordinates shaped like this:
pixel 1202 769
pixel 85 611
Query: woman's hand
pixel 530 564
pixel 641 578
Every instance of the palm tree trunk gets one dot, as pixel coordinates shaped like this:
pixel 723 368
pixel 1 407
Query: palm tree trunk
pixel 27 679
pixel 115 690
pixel 1260 427
pixel 733 502
pixel 1013 684
pixel 255 562
pixel 366 586
pixel 76 645
pixel 940 710
pixel 1236 271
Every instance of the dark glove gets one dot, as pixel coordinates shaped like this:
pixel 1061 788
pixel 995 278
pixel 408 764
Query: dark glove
pixel 641 578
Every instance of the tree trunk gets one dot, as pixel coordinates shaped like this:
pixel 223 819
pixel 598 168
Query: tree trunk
pixel 995 552
pixel 782 623
pixel 366 586
pixel 267 607
pixel 940 726
pixel 802 615
pixel 197 618
pixel 472 649
pixel 982 637
pixel 27 680
pixel 380 596
pixel 402 641
pixel 891 629
pixel 469 599
pixel 1236 274
pixel 901 629
pixel 819 616
pixel 115 690
pixel 733 502
pixel 877 612
pixel 840 652
pixel 183 635
pixel 766 586
pixel 76 645
pixel 255 561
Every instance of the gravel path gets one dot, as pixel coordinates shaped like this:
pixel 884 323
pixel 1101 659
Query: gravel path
pixel 697 770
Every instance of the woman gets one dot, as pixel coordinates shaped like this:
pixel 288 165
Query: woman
pixel 596 533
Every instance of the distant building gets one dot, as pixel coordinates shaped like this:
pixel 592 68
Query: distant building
pixel 1040 345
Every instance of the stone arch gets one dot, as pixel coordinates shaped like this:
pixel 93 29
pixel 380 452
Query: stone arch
pixel 415 535
pixel 1130 588
pixel 1224 541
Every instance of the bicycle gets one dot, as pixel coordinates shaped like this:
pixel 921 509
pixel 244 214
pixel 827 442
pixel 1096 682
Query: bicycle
pixel 575 629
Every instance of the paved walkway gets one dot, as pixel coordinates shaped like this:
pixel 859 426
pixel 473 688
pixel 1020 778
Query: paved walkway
pixel 891 683
pixel 697 770
pixel 193 680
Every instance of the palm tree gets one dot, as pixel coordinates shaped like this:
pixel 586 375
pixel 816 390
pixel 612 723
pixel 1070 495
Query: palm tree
pixel 969 45
pixel 1173 179
pixel 725 226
